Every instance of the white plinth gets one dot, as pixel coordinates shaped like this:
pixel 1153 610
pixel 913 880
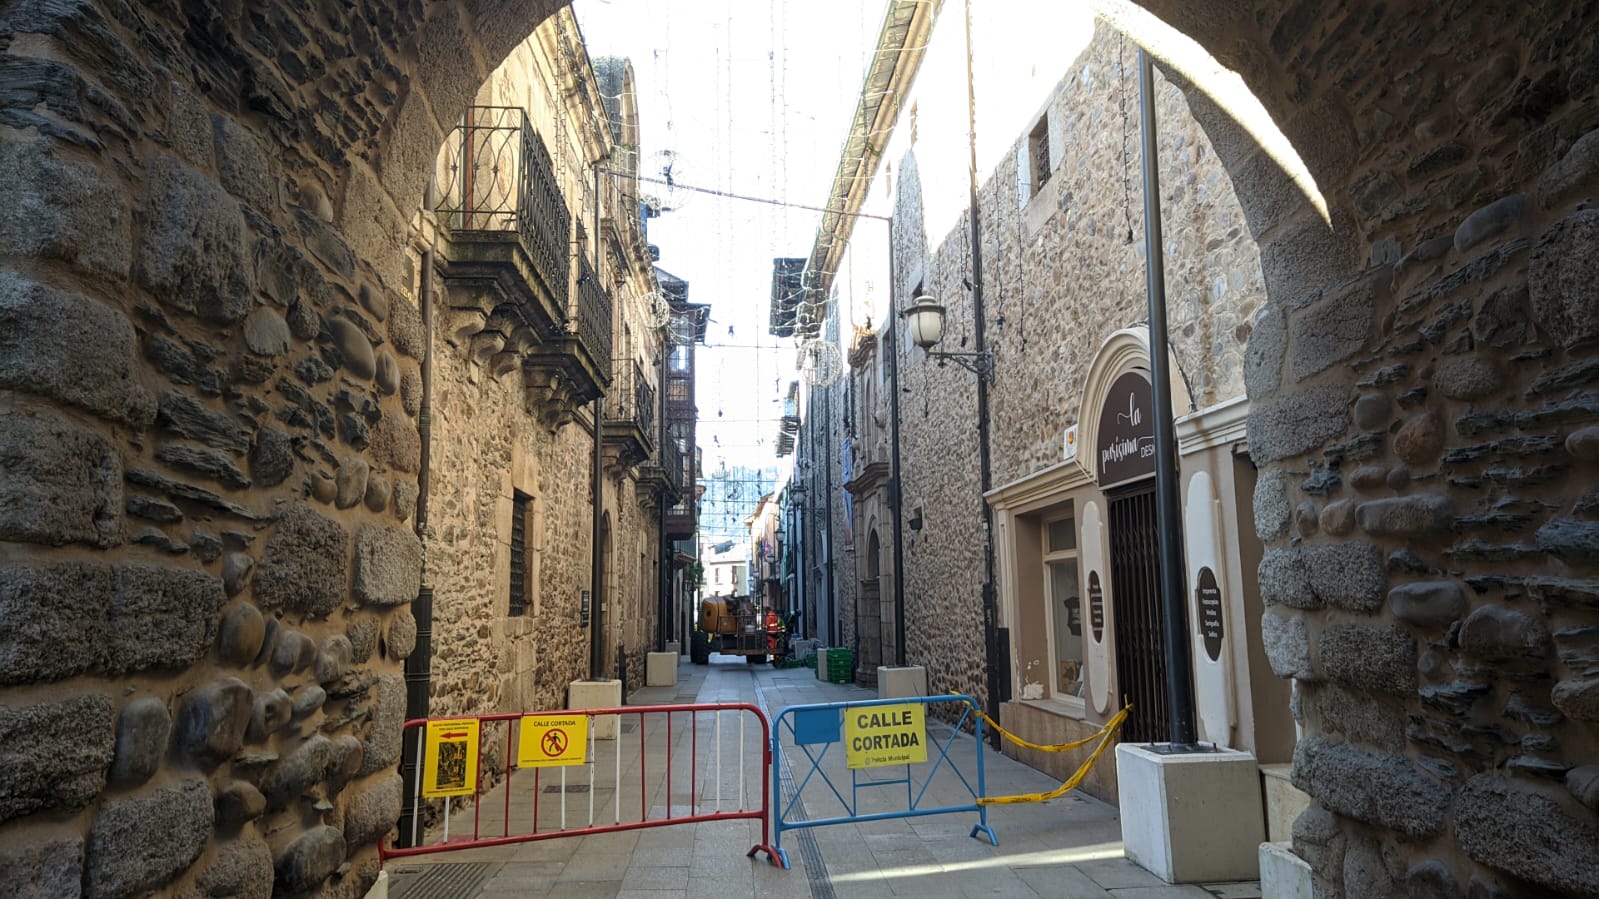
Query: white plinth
pixel 821 664
pixel 1284 802
pixel 660 669
pixel 895 681
pixel 1284 875
pixel 597 694
pixel 1190 818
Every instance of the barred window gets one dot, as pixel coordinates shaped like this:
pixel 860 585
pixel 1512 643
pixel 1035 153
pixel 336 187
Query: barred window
pixel 521 535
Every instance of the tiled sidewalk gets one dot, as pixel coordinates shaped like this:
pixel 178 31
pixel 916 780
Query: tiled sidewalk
pixel 1067 847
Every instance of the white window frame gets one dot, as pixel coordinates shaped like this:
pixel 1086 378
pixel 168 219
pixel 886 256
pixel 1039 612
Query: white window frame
pixel 1074 705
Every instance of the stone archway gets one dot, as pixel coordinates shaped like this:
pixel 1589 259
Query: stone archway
pixel 209 377
pixel 1422 387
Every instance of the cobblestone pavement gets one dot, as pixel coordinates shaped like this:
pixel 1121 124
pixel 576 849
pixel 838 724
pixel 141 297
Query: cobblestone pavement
pixel 1067 847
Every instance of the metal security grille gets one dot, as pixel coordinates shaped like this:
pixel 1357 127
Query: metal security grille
pixel 519 516
pixel 1135 589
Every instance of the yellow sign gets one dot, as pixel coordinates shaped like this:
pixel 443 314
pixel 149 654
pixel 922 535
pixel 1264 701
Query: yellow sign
pixel 451 766
pixel 550 741
pixel 885 735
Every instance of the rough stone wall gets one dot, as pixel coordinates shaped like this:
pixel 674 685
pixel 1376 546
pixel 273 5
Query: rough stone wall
pixel 1423 408
pixel 488 444
pixel 1059 276
pixel 208 464
pixel 484 660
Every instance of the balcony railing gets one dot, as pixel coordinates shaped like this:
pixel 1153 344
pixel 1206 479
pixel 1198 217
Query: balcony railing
pixel 632 398
pixel 496 176
pixel 594 317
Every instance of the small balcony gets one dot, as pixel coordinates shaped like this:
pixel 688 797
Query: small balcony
pixel 505 256
pixel 662 478
pixel 629 430
pixel 505 225
pixel 681 517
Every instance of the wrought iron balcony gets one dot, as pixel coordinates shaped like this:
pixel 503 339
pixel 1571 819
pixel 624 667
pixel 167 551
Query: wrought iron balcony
pixel 594 318
pixel 681 517
pixel 506 260
pixel 502 214
pixel 663 478
pixel 629 416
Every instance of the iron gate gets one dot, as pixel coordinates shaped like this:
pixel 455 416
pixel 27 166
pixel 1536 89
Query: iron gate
pixel 1135 588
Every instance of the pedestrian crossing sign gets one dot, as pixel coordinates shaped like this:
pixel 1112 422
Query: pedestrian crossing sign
pixel 451 758
pixel 551 741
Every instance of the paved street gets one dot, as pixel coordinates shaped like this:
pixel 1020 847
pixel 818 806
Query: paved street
pixel 1068 847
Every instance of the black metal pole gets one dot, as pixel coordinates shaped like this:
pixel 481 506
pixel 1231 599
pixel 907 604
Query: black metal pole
pixel 896 488
pixel 1168 511
pixel 597 563
pixel 827 451
pixel 985 463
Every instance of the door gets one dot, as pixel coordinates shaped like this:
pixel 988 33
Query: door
pixel 1135 586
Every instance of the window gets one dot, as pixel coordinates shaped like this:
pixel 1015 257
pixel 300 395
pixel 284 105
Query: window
pixel 521 552
pixel 1065 610
pixel 1038 161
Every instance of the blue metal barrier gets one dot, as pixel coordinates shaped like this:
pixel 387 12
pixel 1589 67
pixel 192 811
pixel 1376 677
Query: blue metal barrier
pixel 874 733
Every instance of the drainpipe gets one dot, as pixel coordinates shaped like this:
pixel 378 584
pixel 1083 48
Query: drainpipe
pixel 597 620
pixel 832 597
pixel 1168 511
pixel 424 419
pixel 419 664
pixel 665 627
pixel 985 464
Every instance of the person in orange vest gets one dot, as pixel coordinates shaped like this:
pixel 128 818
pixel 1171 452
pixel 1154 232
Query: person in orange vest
pixel 774 630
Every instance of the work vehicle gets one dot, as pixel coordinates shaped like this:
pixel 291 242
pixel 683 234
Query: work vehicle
pixel 736 626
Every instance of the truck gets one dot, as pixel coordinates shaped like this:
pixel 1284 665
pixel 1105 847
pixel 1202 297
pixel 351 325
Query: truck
pixel 735 625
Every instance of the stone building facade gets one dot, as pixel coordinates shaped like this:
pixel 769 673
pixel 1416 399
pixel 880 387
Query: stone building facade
pixel 1063 282
pixel 1413 348
pixel 513 457
pixel 212 378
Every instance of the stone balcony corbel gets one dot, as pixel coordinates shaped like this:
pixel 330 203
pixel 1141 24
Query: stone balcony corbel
pixel 519 339
pixel 460 325
pixel 486 344
pixel 549 395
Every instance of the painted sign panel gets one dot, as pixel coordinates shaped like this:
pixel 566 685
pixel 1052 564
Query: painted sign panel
pixel 1126 435
pixel 450 768
pixel 1208 596
pixel 1096 606
pixel 885 735
pixel 551 741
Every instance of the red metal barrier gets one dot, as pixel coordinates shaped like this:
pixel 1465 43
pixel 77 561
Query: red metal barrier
pixel 659 766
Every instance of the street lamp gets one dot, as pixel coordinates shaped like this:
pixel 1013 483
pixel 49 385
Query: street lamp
pixel 926 318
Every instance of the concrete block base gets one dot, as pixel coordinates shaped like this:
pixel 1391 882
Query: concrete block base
pixel 895 681
pixel 1284 802
pixel 1284 875
pixel 1191 818
pixel 597 694
pixel 660 669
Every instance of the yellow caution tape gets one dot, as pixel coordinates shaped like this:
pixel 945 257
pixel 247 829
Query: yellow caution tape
pixel 1103 735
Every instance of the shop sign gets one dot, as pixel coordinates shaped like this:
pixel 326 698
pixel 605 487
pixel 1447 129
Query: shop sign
pixel 1208 596
pixel 1126 444
pixel 1096 606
